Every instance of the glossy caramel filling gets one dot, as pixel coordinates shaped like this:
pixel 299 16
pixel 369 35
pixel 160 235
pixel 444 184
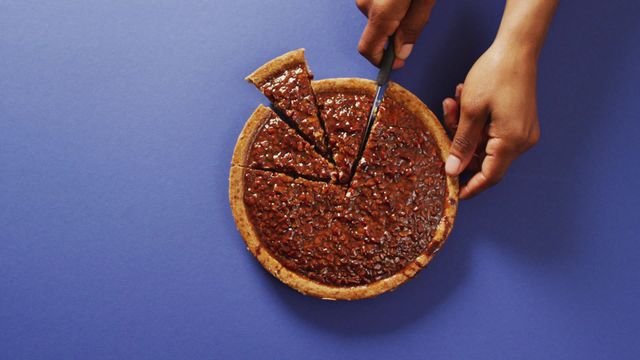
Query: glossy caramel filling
pixel 345 117
pixel 278 147
pixel 291 93
pixel 365 230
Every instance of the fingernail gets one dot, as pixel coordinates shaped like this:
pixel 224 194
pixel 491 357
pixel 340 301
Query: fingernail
pixel 444 108
pixel 452 165
pixel 405 51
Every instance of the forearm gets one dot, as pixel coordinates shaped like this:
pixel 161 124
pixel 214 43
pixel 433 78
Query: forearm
pixel 524 25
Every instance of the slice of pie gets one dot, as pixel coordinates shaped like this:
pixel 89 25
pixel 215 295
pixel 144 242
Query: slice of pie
pixel 268 143
pixel 396 109
pixel 344 106
pixel 296 217
pixel 362 237
pixel 286 82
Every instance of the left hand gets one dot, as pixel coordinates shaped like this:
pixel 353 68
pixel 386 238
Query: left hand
pixel 494 117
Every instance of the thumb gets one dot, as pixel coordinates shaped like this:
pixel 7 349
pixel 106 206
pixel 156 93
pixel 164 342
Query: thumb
pixel 466 140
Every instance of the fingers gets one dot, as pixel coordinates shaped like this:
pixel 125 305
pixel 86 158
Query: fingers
pixel 451 111
pixel 459 89
pixel 384 19
pixel 493 168
pixel 411 26
pixel 468 135
pixel 500 153
pixel 405 17
pixel 450 115
pixel 363 6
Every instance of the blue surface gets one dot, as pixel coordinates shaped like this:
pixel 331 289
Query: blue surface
pixel 117 123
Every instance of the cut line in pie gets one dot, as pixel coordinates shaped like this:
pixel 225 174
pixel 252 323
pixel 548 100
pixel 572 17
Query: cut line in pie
pixel 291 154
pixel 286 82
pixel 329 233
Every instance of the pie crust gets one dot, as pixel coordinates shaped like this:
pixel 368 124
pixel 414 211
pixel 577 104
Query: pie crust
pixel 275 66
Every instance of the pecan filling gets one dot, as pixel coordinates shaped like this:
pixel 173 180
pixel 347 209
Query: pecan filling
pixel 345 117
pixel 291 93
pixel 278 147
pixel 352 235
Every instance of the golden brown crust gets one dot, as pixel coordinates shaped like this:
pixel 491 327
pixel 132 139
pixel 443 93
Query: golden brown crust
pixel 358 85
pixel 276 66
pixel 250 129
pixel 304 284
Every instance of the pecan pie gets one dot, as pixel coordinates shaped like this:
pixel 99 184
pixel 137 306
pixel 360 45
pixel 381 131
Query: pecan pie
pixel 325 231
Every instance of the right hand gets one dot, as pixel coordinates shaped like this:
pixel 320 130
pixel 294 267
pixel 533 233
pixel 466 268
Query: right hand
pixel 406 18
pixel 493 118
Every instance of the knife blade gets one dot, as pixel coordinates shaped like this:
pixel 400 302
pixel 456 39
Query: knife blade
pixel 381 85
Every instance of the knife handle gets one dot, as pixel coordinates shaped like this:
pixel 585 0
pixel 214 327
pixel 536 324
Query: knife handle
pixel 388 57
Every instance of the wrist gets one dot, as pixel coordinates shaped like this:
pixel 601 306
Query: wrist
pixel 519 45
pixel 524 26
pixel 518 50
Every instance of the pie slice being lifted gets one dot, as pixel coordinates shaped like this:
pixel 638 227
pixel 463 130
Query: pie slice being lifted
pixel 286 82
pixel 268 143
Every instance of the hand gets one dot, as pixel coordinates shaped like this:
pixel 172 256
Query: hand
pixel 493 116
pixel 406 18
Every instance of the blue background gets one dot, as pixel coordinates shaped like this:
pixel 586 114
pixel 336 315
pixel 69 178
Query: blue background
pixel 117 124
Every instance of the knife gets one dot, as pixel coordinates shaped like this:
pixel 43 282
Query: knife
pixel 381 85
